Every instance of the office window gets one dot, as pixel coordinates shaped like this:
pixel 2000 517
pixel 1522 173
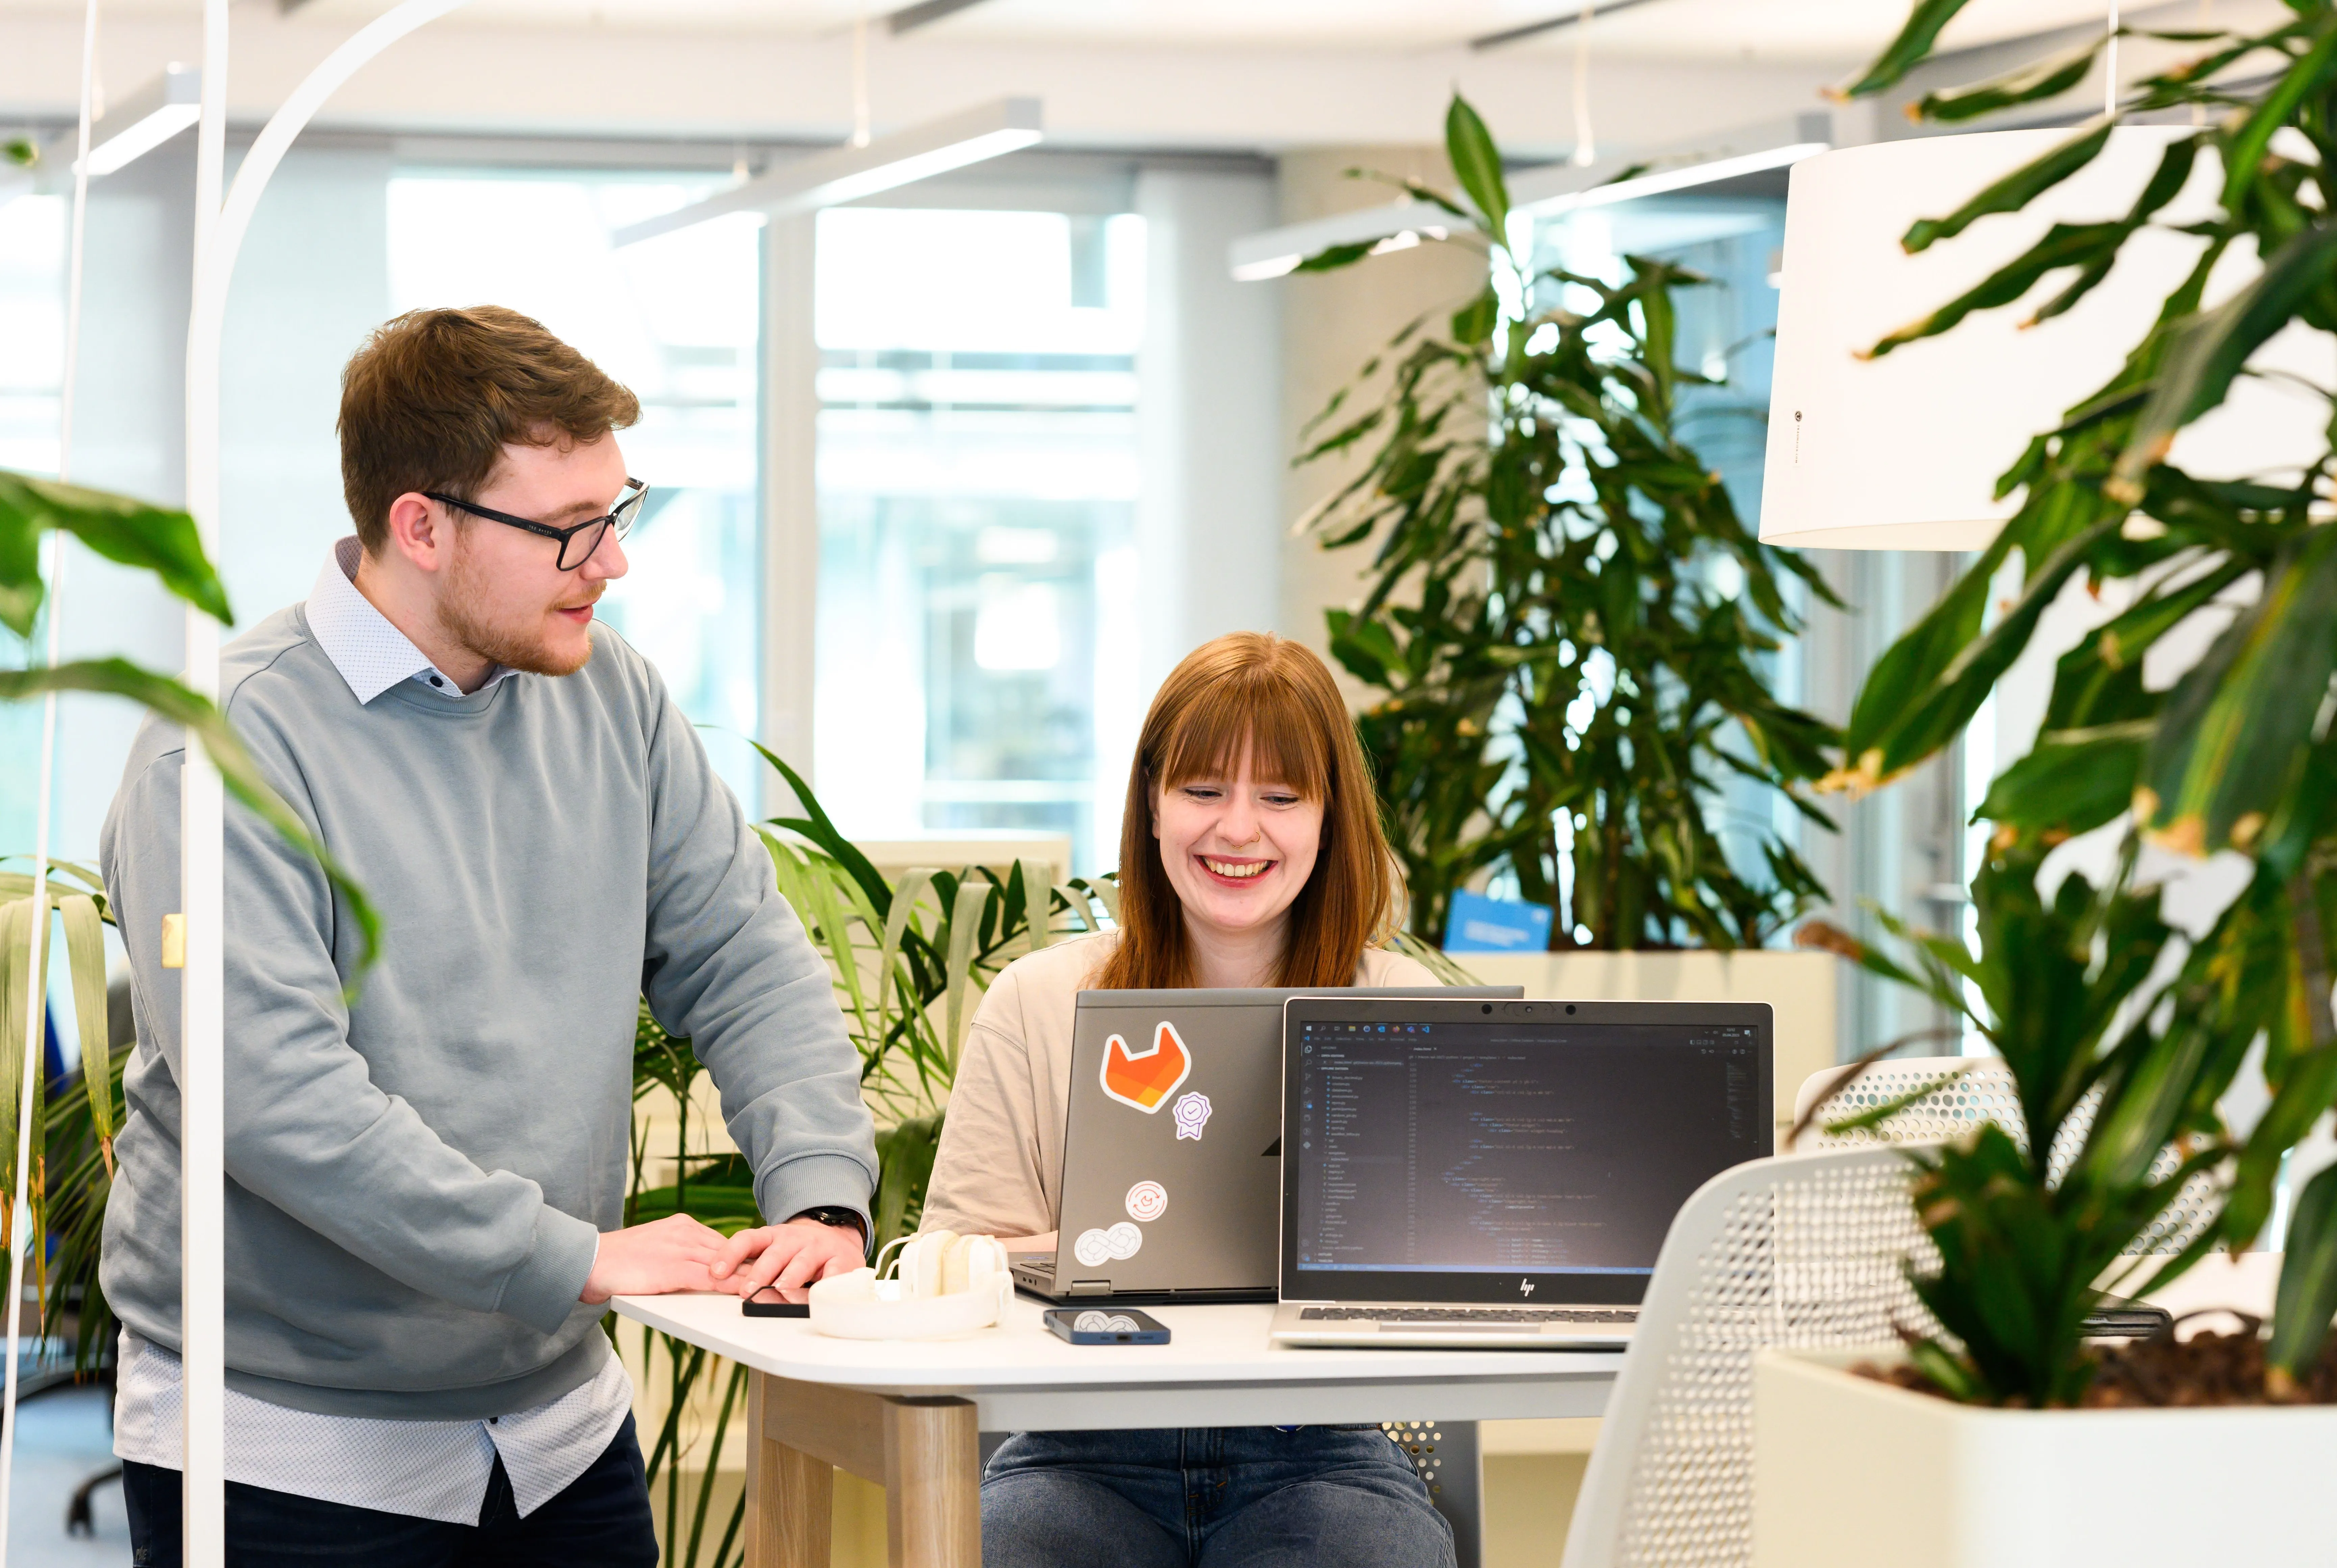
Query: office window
pixel 677 320
pixel 977 478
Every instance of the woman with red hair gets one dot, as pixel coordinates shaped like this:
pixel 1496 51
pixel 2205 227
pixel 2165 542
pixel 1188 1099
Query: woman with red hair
pixel 1251 854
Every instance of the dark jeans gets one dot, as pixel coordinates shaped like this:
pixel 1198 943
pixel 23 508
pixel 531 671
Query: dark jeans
pixel 1209 1497
pixel 601 1517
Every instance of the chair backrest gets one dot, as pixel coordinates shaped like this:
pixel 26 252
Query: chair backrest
pixel 1800 1249
pixel 1984 1092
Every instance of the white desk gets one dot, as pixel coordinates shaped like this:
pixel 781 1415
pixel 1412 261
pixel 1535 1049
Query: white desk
pixel 908 1416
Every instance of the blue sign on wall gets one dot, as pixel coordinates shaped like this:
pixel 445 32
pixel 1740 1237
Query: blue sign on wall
pixel 1481 925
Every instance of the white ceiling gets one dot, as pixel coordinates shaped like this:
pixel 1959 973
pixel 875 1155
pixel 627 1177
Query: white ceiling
pixel 1829 30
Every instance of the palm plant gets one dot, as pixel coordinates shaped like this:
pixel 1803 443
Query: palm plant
pixel 163 541
pixel 2237 756
pixel 74 1124
pixel 1564 614
pixel 909 962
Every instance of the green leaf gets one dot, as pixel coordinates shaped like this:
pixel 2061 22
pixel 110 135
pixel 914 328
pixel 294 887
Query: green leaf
pixel 2012 192
pixel 84 941
pixel 2213 348
pixel 2235 728
pixel 1332 257
pixel 1473 323
pixel 817 827
pixel 153 538
pixel 1906 51
pixel 1476 165
pixel 2071 781
pixel 905 1156
pixel 2308 76
pixel 175 704
pixel 2307 1297
pixel 2064 244
pixel 2040 78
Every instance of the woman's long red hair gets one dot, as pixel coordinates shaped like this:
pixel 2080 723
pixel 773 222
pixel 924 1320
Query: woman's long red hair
pixel 1251 691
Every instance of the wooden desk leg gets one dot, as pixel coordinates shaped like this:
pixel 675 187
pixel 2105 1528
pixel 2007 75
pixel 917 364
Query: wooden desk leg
pixel 790 1496
pixel 932 1484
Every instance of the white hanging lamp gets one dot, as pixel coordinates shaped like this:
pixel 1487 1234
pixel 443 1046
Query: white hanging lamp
pixel 1903 452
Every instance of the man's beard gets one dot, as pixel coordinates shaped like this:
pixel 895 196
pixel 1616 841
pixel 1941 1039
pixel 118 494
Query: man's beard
pixel 464 611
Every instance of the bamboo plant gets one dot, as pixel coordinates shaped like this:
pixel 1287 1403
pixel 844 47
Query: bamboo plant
pixel 2237 756
pixel 1564 619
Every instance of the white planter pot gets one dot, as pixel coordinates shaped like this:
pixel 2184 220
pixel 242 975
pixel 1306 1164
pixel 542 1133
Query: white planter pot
pixel 1803 987
pixel 1853 1473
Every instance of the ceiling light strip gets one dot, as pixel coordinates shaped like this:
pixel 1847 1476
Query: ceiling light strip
pixel 849 174
pixel 1509 36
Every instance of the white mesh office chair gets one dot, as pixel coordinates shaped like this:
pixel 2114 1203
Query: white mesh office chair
pixel 1801 1250
pixel 1984 1093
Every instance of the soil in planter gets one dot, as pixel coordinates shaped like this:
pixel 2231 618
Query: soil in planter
pixel 2208 1369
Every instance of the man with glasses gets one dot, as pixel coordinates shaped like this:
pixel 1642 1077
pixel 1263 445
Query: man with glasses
pixel 427 1161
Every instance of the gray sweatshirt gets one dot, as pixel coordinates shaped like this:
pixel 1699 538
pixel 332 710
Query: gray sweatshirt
pixel 415 1183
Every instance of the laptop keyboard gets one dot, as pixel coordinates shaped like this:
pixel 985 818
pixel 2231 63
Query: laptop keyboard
pixel 1495 1315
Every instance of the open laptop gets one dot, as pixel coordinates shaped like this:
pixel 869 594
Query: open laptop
pixel 1500 1173
pixel 1172 1173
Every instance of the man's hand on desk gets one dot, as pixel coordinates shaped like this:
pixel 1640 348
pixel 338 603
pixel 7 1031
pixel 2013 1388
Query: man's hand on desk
pixel 795 1254
pixel 674 1253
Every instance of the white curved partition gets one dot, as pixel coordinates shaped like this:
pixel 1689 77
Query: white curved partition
pixel 220 229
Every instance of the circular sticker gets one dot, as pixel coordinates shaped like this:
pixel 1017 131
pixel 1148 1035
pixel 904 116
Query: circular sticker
pixel 1123 1239
pixel 1094 1246
pixel 1094 1322
pixel 1146 1201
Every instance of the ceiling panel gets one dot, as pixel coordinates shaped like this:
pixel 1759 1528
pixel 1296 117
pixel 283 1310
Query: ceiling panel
pixel 1778 30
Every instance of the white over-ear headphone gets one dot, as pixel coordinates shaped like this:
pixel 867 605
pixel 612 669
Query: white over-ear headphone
pixel 947 1285
pixel 942 1263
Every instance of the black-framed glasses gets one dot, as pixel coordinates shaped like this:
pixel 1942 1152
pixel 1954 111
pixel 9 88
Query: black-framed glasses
pixel 578 543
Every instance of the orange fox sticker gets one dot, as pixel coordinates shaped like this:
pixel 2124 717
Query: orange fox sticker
pixel 1145 1079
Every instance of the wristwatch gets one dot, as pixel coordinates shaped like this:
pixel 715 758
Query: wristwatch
pixel 839 1216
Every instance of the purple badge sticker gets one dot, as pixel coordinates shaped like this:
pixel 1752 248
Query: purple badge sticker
pixel 1192 1114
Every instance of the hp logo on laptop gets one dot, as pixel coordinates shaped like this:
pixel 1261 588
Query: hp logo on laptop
pixel 1525 1287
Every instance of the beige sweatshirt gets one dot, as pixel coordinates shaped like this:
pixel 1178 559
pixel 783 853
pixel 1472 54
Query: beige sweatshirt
pixel 1001 1163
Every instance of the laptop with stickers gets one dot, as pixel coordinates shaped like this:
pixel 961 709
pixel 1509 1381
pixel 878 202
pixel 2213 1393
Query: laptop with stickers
pixel 1500 1173
pixel 1171 1146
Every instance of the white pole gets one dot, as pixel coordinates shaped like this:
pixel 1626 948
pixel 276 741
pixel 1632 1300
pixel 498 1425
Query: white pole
pixel 2109 67
pixel 202 1326
pixel 219 229
pixel 36 973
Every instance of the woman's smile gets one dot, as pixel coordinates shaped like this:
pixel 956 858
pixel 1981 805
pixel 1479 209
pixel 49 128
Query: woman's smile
pixel 1236 871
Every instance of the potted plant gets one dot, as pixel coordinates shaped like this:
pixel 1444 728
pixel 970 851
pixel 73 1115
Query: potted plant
pixel 1998 1427
pixel 910 961
pixel 1563 626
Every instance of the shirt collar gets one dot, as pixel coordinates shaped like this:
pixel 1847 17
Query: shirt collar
pixel 371 654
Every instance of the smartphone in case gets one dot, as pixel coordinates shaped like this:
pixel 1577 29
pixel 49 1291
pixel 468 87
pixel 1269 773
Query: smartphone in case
pixel 777 1301
pixel 1101 1326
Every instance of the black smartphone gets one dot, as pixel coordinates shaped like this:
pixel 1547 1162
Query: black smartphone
pixel 779 1301
pixel 1103 1326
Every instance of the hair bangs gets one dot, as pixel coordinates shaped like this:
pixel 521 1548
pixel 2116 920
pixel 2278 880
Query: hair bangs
pixel 1261 714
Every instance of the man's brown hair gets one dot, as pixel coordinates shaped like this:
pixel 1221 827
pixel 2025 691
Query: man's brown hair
pixel 434 397
pixel 1251 692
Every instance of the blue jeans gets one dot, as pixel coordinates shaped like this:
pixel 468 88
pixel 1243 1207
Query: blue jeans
pixel 599 1520
pixel 1209 1497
